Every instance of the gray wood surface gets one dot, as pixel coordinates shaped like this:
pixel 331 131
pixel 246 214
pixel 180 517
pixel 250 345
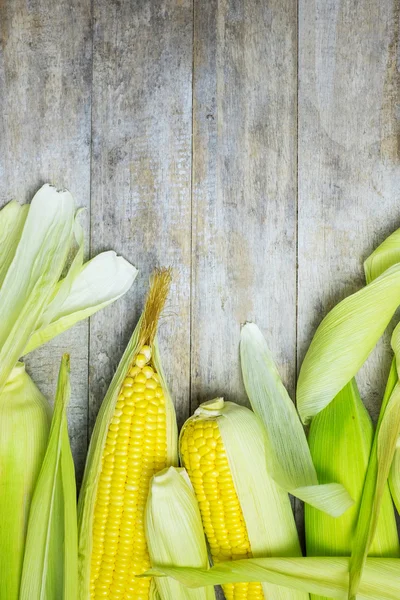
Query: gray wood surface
pixel 253 145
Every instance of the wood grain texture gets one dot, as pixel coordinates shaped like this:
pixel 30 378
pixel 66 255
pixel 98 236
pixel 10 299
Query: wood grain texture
pixel 349 175
pixel 141 175
pixel 244 188
pixel 45 77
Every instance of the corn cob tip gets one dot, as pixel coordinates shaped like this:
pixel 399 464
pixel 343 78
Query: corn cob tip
pixel 160 283
pixel 211 407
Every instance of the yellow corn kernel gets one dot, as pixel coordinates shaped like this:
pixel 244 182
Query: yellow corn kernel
pixel 119 549
pixel 204 457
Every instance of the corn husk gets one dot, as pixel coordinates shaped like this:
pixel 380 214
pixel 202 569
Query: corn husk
pixel 322 576
pixel 340 442
pixel 36 303
pixel 174 532
pixel 24 427
pixel 288 455
pixel 266 507
pixel 340 346
pixel 50 568
pixel 87 497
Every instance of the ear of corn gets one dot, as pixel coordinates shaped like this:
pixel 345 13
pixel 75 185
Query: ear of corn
pixel 322 576
pixel 289 458
pixel 24 429
pixel 135 436
pixel 174 532
pixel 244 512
pixel 340 441
pixel 50 568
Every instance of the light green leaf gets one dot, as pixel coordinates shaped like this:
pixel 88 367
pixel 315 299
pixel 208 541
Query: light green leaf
pixel 33 272
pixel 266 509
pixel 340 441
pixel 384 257
pixel 344 340
pixel 12 220
pixel 323 576
pixel 98 283
pixel 383 450
pixel 288 456
pixel 50 569
pixel 24 430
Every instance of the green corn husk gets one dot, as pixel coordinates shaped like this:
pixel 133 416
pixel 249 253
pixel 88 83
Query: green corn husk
pixel 36 304
pixel 50 568
pixel 340 442
pixel 24 428
pixel 288 455
pixel 174 532
pixel 321 576
pixel 340 346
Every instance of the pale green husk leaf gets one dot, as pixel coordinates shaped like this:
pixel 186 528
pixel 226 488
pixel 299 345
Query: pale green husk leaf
pixel 12 221
pixel 87 496
pixel 35 304
pixel 24 428
pixel 384 257
pixel 344 340
pixel 34 271
pixel 50 568
pixel 289 458
pixel 97 284
pixel 266 506
pixel 324 576
pixel 174 532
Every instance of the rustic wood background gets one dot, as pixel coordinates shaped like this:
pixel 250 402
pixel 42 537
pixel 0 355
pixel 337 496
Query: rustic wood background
pixel 254 145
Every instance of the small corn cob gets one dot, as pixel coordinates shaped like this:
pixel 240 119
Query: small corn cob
pixel 244 513
pixel 135 436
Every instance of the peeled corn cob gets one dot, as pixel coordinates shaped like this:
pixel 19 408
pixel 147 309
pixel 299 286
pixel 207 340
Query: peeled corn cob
pixel 135 436
pixel 245 514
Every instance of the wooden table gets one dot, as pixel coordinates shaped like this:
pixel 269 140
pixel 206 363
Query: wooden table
pixel 254 145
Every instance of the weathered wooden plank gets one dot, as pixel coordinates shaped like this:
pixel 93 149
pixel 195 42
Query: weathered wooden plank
pixel 349 175
pixel 45 77
pixel 141 174
pixel 244 188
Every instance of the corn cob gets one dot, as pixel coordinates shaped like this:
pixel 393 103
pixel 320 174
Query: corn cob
pixel 244 512
pixel 135 436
